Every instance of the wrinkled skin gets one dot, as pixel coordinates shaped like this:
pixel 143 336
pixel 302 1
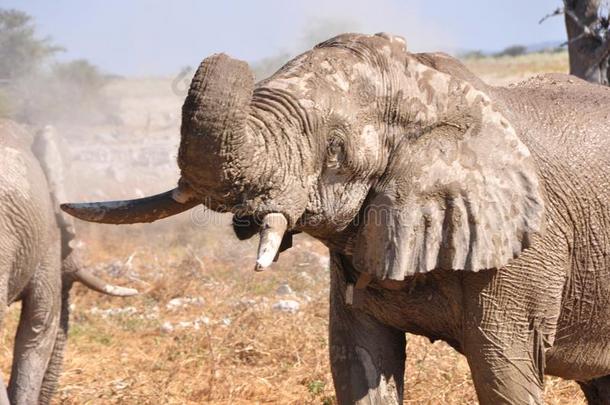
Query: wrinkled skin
pixel 452 209
pixel 37 267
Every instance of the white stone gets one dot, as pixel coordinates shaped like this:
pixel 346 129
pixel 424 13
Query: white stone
pixel 246 302
pixel 290 306
pixel 105 313
pixel 167 327
pixel 182 302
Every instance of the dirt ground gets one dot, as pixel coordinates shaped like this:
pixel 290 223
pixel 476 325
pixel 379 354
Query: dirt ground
pixel 206 328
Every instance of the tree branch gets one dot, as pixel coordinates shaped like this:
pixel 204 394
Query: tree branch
pixel 557 12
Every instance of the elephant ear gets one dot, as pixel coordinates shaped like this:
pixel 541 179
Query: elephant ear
pixel 454 198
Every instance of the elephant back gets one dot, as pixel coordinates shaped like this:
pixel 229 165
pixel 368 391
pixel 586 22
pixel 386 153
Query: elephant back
pixel 565 122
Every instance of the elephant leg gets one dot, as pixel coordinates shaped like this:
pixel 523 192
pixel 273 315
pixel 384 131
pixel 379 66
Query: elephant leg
pixel 36 333
pixel 597 391
pixel 367 358
pixel 507 327
pixel 506 375
pixel 505 352
pixel 51 377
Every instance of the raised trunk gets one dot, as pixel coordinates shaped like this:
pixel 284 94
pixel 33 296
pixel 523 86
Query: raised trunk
pixel 589 48
pixel 242 148
pixel 215 150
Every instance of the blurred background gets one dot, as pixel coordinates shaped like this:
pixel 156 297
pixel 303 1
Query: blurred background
pixel 111 77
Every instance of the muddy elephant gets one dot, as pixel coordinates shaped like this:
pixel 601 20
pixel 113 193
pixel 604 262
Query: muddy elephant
pixel 37 267
pixel 473 214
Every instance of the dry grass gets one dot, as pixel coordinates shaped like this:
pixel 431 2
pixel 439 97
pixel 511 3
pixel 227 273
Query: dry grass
pixel 504 70
pixel 245 351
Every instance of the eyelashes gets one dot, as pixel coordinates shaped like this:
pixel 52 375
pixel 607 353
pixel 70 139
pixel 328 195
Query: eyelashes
pixel 335 153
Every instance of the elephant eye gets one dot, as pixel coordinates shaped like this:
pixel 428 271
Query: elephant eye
pixel 334 154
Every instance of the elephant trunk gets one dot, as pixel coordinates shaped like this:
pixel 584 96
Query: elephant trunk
pixel 215 148
pixel 241 148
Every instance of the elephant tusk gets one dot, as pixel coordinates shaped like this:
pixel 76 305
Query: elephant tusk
pixel 146 209
pixel 97 284
pixel 271 234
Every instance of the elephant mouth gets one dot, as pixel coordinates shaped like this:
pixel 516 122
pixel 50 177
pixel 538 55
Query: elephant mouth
pixel 269 229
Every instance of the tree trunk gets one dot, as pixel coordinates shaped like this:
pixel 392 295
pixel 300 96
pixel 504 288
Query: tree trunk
pixel 589 52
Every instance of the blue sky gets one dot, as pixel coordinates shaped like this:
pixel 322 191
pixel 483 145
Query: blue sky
pixel 153 37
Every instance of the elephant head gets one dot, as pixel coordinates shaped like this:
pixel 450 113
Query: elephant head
pixel 361 144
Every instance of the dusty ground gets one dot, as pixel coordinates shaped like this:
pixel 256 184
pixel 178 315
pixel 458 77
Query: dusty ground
pixel 222 341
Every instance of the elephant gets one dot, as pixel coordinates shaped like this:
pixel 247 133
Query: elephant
pixel 37 266
pixel 452 209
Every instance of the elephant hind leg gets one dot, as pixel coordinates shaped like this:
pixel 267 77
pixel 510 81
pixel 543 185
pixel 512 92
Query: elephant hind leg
pixel 51 377
pixel 37 331
pixel 597 391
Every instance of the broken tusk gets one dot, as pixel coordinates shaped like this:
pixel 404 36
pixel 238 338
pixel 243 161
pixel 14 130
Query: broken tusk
pixel 271 234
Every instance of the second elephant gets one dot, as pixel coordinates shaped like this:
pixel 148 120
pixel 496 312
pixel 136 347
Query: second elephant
pixel 37 269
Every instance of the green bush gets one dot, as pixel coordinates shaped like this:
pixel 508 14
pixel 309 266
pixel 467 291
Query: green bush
pixel 35 89
pixel 513 50
pixel 21 51
pixel 80 73
pixel 472 55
